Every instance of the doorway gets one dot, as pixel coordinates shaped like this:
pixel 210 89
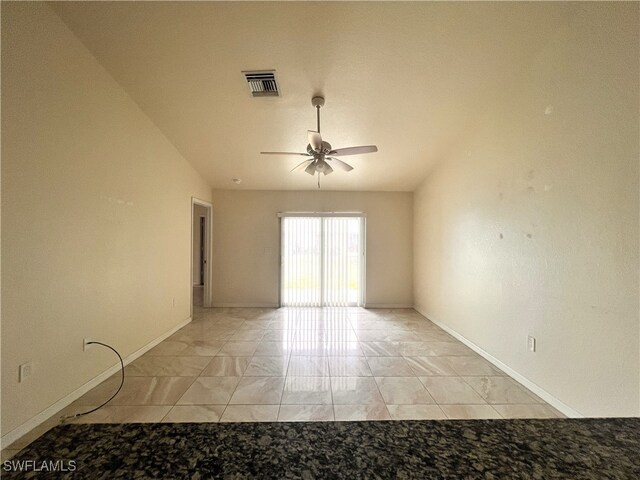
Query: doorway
pixel 322 260
pixel 200 254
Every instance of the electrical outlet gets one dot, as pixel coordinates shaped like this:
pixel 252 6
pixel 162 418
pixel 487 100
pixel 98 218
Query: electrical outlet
pixel 25 370
pixel 86 344
pixel 531 343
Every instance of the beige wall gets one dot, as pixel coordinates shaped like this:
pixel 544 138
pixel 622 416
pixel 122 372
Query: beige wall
pixel 96 216
pixel 530 225
pixel 246 242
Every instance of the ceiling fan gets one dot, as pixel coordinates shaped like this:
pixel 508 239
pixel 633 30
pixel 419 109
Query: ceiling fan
pixel 321 154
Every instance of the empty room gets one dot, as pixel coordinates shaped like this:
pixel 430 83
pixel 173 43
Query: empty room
pixel 320 240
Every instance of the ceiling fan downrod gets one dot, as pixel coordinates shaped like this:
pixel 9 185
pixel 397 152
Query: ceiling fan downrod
pixel 318 102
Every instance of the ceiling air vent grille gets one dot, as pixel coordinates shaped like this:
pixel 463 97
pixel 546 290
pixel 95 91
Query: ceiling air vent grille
pixel 262 84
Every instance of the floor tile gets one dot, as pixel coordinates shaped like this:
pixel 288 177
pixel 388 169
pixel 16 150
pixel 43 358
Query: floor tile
pixel 267 367
pixel 168 347
pixel 312 336
pixel 434 336
pixel 238 349
pixel 166 366
pixel 305 413
pixel 451 390
pixel 250 413
pixel 226 367
pixel 472 366
pixel 140 391
pixel 355 391
pixel 327 349
pixel 194 413
pixel 403 390
pixel 416 412
pixel 281 336
pixel 380 349
pixel 274 348
pixel 308 366
pixel 389 367
pixel 307 391
pixel 431 366
pixel 217 335
pixel 525 411
pixel 336 349
pixel 415 349
pixel 258 391
pixel 361 412
pixel 209 391
pixel 466 412
pixel 256 324
pixel 246 335
pixel 349 367
pixel 125 414
pixel 386 336
pixel 203 347
pixel 500 390
pixel 450 349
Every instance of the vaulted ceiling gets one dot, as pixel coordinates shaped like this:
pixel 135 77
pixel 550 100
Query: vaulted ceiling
pixel 407 77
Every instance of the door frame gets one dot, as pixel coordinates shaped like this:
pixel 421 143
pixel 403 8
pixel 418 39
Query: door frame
pixel 208 271
pixel 363 246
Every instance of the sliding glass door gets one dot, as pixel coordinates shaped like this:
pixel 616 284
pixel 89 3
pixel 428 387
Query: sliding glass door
pixel 322 261
pixel 301 261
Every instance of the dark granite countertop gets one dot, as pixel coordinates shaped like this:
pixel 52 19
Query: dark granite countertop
pixel 458 449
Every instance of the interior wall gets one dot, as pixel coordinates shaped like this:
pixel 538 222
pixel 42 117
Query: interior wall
pixel 198 212
pixel 96 216
pixel 246 242
pixel 530 225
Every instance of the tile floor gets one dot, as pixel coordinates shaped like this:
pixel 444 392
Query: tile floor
pixel 311 364
pixel 308 364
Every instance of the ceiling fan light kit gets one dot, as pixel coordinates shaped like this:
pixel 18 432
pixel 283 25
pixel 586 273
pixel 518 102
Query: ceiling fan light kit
pixel 321 156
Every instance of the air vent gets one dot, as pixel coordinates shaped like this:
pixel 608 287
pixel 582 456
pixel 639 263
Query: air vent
pixel 262 84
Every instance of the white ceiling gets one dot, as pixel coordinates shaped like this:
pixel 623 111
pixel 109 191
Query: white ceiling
pixel 407 77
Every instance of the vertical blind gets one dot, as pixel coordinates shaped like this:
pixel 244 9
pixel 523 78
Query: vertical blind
pixel 301 261
pixel 322 261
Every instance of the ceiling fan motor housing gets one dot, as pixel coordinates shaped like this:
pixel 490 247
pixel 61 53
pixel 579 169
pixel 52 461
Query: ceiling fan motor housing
pixel 326 148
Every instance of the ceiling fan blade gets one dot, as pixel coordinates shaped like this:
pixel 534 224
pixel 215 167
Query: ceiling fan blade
pixel 311 168
pixel 301 164
pixel 353 150
pixel 284 153
pixel 339 163
pixel 315 140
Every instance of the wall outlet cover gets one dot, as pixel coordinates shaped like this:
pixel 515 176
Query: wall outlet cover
pixel 25 370
pixel 531 343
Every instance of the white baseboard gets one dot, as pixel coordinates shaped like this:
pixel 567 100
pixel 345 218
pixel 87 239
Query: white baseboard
pixel 47 413
pixel 245 305
pixel 388 305
pixel 546 396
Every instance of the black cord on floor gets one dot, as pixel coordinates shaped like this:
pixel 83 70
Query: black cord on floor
pixel 112 396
